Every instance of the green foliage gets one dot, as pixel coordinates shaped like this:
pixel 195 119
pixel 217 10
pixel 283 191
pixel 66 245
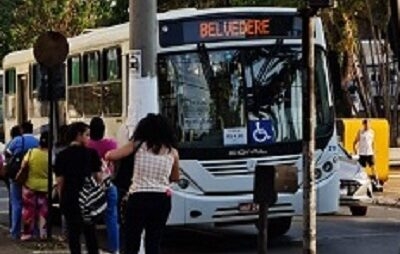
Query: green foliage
pixel 22 21
pixel 7 8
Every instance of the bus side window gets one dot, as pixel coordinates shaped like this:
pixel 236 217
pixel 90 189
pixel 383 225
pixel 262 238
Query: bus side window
pixel 111 91
pixel 74 70
pixel 36 107
pixel 112 62
pixel 75 79
pixel 91 67
pixel 10 84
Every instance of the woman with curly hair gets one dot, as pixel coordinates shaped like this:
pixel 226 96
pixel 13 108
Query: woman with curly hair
pixel 149 196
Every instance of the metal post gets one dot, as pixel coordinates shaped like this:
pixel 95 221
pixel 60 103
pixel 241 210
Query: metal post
pixel 143 59
pixel 263 230
pixel 264 195
pixel 309 194
pixel 50 75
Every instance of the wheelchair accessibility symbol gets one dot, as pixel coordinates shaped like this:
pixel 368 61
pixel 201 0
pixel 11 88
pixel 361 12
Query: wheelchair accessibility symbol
pixel 261 132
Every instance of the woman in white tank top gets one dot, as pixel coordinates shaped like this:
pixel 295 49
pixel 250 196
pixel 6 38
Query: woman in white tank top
pixel 156 166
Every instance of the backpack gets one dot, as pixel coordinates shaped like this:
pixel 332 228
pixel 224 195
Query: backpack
pixel 92 198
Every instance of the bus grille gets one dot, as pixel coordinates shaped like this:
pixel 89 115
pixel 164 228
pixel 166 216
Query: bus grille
pixel 235 214
pixel 225 168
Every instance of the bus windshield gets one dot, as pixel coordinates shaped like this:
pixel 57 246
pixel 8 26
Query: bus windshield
pixel 239 97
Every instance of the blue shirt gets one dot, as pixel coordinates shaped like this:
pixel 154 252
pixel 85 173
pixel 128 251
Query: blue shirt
pixel 22 144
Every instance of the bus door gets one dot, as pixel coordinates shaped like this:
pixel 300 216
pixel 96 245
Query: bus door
pixel 22 98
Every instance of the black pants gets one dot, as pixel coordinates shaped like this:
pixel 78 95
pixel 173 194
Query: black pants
pixel 75 227
pixel 148 211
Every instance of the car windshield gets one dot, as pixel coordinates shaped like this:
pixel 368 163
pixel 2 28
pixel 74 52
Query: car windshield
pixel 236 97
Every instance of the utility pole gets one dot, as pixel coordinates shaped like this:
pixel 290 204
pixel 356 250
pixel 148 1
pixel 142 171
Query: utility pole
pixel 309 124
pixel 309 193
pixel 143 32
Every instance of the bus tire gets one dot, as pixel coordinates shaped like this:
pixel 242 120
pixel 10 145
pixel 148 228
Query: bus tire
pixel 277 226
pixel 358 210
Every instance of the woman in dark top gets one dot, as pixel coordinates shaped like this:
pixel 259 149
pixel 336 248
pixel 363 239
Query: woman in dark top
pixel 72 165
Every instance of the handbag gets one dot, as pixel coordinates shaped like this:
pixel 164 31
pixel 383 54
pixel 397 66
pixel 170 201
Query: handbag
pixel 124 171
pixel 13 164
pixel 23 173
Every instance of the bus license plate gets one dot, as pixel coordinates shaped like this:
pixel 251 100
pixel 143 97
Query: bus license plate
pixel 248 207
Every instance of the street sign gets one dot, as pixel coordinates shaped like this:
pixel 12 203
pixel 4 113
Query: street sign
pixel 135 63
pixel 51 49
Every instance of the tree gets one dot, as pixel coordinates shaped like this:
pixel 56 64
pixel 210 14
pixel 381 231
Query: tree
pixel 70 17
pixel 7 8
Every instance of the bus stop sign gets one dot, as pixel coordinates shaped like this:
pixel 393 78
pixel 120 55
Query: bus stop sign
pixel 51 49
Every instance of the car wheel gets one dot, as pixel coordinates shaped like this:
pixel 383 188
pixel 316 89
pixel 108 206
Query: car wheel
pixel 358 210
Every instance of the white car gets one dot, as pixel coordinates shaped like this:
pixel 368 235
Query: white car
pixel 355 185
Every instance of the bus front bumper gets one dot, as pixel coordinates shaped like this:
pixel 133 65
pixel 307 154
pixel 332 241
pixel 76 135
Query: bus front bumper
pixel 221 209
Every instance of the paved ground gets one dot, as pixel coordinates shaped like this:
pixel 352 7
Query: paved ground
pixel 391 193
pixel 7 246
pixel 379 232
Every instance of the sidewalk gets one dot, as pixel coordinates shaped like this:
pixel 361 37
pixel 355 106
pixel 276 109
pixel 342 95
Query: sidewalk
pixel 391 190
pixel 8 245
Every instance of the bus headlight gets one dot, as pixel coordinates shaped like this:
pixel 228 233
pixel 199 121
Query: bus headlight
pixel 318 173
pixel 327 167
pixel 183 183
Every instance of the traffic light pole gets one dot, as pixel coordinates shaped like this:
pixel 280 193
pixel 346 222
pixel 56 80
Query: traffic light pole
pixel 50 153
pixel 50 51
pixel 309 193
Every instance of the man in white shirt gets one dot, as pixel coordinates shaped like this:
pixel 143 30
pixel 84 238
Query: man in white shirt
pixel 365 141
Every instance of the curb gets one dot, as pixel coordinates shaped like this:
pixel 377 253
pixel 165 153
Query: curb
pixel 387 202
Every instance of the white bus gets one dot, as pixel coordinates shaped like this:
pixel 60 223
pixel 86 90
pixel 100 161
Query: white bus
pixel 230 81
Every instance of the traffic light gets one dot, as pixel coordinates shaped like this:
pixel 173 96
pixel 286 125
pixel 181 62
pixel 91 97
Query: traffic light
pixel 321 3
pixel 54 77
pixel 57 81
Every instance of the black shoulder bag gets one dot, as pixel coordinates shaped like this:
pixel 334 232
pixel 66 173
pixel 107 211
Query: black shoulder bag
pixel 124 171
pixel 14 162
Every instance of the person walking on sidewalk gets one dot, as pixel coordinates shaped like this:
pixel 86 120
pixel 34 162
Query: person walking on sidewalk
pixel 34 191
pixel 364 141
pixel 149 196
pixel 72 166
pixel 102 146
pixel 20 144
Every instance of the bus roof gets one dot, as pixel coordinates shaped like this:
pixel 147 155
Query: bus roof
pixel 117 34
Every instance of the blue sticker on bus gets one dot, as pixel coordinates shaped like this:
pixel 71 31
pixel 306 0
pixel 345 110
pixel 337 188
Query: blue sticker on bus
pixel 260 132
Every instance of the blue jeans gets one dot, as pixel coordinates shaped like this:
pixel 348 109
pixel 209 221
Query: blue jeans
pixel 16 209
pixel 111 219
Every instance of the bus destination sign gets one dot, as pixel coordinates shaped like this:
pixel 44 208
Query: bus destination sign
pixel 240 28
pixel 220 28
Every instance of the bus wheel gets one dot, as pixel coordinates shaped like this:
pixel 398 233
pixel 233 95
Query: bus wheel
pixel 358 210
pixel 277 226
